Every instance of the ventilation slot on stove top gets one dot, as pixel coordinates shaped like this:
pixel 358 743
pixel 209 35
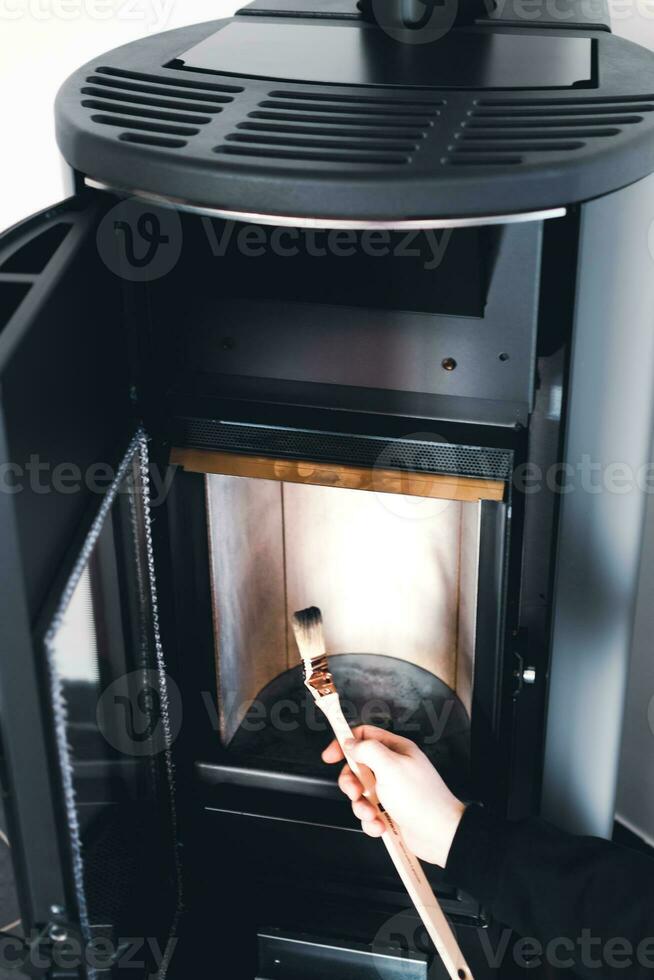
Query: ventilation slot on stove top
pixel 153 110
pixel 327 128
pixel 500 132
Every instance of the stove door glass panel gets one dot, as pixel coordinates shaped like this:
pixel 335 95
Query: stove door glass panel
pixel 112 737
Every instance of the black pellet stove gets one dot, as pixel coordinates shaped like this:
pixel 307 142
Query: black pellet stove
pixel 350 305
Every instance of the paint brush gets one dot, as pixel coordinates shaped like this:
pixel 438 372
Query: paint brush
pixel 309 634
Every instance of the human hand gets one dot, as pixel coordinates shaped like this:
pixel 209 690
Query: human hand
pixel 408 787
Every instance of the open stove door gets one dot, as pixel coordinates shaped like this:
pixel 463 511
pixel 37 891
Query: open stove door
pixel 84 707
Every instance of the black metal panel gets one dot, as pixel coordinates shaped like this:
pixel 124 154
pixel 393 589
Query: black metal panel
pixel 64 408
pixel 220 396
pixel 382 347
pixel 606 472
pixel 63 384
pixel 535 495
pixel 371 57
pixel 489 750
pixel 325 961
pixel 449 332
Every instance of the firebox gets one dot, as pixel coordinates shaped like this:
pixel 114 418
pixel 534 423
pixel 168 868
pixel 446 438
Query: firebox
pixel 349 306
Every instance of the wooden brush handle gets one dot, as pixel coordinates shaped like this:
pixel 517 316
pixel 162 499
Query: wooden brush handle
pixel 407 864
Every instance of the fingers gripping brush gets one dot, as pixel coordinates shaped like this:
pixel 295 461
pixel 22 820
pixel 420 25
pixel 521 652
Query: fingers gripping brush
pixel 308 629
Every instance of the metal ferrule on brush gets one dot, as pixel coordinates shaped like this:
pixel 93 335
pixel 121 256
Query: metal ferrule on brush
pixel 308 629
pixel 319 680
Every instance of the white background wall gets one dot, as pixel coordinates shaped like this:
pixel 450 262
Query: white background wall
pixel 43 41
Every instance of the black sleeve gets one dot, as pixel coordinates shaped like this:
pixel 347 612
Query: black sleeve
pixel 588 903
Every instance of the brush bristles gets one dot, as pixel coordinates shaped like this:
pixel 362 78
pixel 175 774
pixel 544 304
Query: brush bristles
pixel 307 626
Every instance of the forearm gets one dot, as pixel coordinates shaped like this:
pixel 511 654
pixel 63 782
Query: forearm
pixel 583 899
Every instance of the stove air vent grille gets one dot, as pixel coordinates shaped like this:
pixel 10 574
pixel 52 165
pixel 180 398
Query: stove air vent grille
pixel 324 127
pixel 155 110
pixel 411 455
pixel 499 132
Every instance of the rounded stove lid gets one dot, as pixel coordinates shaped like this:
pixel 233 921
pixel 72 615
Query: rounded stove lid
pixel 330 121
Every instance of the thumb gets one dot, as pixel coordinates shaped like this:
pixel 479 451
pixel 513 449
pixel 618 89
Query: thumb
pixel 371 753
